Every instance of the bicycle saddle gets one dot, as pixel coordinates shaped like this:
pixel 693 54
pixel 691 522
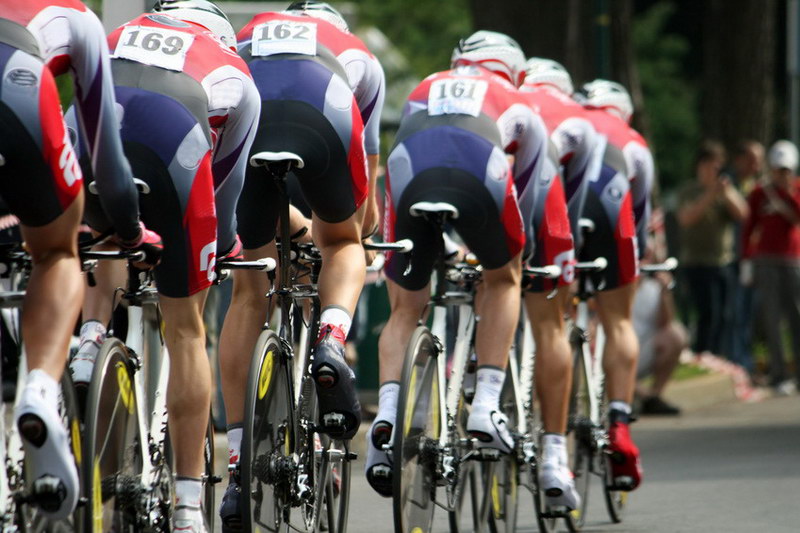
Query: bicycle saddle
pixel 421 209
pixel 141 186
pixel 264 159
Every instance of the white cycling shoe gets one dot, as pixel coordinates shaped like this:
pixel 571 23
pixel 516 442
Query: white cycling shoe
pixel 378 466
pixel 189 520
pixel 558 484
pixel 490 428
pixel 53 473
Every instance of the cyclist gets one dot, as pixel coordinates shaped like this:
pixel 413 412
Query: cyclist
pixel 459 130
pixel 548 88
pixel 618 202
pixel 189 110
pixel 322 94
pixel 41 181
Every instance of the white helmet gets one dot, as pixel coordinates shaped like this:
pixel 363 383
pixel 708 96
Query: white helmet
pixel 494 51
pixel 609 95
pixel 320 10
pixel 548 72
pixel 200 12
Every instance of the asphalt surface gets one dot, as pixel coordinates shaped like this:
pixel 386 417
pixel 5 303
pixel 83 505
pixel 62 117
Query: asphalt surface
pixel 729 468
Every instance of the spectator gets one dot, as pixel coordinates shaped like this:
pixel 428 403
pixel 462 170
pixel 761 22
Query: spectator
pixel 707 211
pixel 747 170
pixel 771 238
pixel 661 337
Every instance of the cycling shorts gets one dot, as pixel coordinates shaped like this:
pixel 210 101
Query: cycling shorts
pixel 452 165
pixel 609 205
pixel 551 229
pixel 39 172
pixel 310 111
pixel 169 149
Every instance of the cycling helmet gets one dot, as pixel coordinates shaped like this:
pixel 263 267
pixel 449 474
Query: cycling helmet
pixel 200 12
pixel 320 10
pixel 494 51
pixel 609 95
pixel 548 72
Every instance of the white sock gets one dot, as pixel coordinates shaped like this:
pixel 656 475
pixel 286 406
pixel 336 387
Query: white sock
pixel 187 492
pixel 619 405
pixel 39 382
pixel 336 316
pixel 234 443
pixel 554 448
pixel 387 401
pixel 94 331
pixel 488 388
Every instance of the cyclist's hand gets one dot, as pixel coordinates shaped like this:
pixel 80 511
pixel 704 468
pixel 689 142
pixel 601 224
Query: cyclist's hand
pixel 235 253
pixel 148 242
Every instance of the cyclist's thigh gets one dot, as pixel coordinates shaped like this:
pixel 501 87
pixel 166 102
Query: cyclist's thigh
pixel 553 239
pixel 39 176
pixel 609 205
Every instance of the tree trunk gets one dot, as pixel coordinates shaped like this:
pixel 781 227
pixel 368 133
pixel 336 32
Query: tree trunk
pixel 738 79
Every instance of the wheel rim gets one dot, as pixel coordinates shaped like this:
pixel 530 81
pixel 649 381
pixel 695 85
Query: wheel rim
pixel 416 443
pixel 268 439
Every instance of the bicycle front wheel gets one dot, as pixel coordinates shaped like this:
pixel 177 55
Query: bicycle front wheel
pixel 504 482
pixel 267 443
pixel 581 429
pixel 416 435
pixel 112 459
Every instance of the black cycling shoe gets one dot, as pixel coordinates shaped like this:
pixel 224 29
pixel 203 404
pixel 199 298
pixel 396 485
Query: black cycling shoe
pixel 340 410
pixel 230 512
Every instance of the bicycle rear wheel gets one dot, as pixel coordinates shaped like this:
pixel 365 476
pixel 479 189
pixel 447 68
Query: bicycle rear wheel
pixel 334 489
pixel 468 494
pixel 28 517
pixel 504 484
pixel 416 436
pixel 210 479
pixel 268 441
pixel 112 461
pixel 581 432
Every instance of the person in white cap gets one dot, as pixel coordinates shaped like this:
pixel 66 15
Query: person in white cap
pixel 771 240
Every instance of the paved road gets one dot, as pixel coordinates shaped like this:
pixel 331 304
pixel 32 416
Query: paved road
pixel 731 468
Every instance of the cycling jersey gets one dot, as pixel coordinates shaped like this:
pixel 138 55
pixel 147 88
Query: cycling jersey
pixel 188 108
pixel 67 36
pixel 309 107
pixel 458 128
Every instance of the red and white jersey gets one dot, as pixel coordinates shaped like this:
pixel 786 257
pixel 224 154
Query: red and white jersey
pixel 638 160
pixel 571 132
pixel 234 105
pixel 282 33
pixel 475 91
pixel 70 38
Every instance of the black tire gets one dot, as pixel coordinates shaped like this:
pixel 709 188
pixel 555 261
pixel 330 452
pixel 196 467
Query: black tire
pixel 210 478
pixel 112 459
pixel 581 439
pixel 504 482
pixel 465 514
pixel 416 436
pixel 268 437
pixel 616 500
pixel 28 518
pixel 336 488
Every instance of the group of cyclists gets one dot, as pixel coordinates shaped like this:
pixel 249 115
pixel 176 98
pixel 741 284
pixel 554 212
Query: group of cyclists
pixel 178 100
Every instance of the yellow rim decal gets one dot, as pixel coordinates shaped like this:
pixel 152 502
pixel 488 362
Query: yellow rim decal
pixel 410 400
pixel 435 406
pixel 416 530
pixel 125 389
pixel 265 375
pixel 496 503
pixel 76 441
pixel 97 497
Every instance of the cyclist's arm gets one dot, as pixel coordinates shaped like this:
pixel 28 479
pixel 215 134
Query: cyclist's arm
pixel 230 155
pixel 95 103
pixel 641 189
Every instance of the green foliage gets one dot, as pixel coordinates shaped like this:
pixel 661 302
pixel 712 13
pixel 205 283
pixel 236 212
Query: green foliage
pixel 424 31
pixel 671 100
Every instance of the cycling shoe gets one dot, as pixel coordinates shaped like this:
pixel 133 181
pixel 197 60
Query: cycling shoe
pixel 340 410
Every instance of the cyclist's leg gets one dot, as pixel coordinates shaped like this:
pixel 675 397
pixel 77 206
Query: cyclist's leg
pixel 41 181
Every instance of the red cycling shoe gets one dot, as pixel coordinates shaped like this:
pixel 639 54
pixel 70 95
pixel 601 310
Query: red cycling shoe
pixel 626 468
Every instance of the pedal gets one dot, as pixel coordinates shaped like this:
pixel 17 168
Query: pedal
pixel 333 421
pixel 351 456
pixel 48 492
pixel 489 454
pixel 382 471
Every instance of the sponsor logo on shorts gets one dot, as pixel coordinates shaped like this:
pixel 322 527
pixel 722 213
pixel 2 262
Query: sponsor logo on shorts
pixel 23 77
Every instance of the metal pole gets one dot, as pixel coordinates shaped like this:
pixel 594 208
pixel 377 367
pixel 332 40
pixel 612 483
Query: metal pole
pixel 117 12
pixel 793 67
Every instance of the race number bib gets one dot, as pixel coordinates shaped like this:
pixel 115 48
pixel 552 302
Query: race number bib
pixel 158 47
pixel 284 37
pixel 456 96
